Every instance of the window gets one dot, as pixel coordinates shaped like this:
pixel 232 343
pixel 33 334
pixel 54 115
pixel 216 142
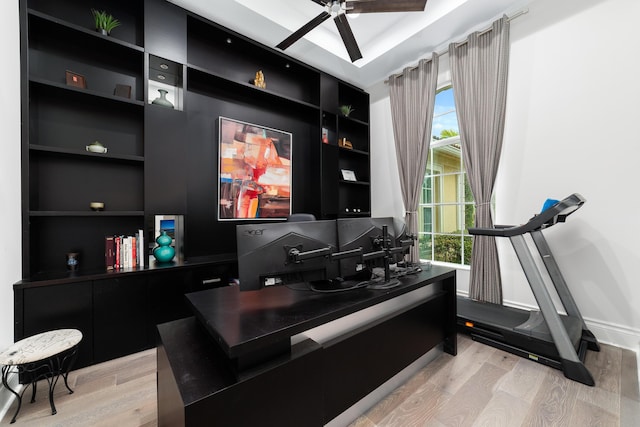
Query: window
pixel 446 208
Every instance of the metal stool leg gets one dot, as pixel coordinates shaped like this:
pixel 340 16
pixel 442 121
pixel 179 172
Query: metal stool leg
pixel 34 385
pixel 51 388
pixel 5 374
pixel 65 371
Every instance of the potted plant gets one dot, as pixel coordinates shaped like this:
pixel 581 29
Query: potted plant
pixel 105 22
pixel 346 110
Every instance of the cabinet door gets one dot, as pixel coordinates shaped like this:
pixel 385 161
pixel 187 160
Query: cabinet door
pixel 167 289
pixel 120 309
pixel 61 307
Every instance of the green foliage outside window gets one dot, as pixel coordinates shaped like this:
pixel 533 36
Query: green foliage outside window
pixel 448 249
pixel 445 248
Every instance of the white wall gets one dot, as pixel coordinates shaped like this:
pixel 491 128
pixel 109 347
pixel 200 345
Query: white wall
pixel 571 113
pixel 10 249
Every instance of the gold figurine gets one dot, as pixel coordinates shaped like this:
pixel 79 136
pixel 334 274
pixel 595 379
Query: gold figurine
pixel 259 80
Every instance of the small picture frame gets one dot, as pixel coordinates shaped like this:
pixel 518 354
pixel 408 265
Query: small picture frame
pixel 348 175
pixel 123 91
pixel 76 80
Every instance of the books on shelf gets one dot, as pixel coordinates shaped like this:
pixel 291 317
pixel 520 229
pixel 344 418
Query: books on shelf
pixel 124 251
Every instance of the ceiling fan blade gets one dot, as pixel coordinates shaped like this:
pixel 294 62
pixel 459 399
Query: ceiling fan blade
pixel 304 30
pixel 377 6
pixel 347 37
pixel 321 2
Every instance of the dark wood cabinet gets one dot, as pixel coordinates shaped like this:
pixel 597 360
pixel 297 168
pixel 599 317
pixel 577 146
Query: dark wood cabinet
pixel 62 306
pixel 121 317
pixel 117 313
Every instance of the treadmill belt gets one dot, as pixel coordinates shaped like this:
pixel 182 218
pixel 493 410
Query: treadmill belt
pixel 497 316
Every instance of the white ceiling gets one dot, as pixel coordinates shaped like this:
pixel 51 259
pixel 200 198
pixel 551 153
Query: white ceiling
pixel 388 41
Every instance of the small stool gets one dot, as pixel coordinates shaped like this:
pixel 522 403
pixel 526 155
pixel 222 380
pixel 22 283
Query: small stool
pixel 43 356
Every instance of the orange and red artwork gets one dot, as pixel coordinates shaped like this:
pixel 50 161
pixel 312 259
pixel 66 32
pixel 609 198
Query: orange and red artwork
pixel 254 171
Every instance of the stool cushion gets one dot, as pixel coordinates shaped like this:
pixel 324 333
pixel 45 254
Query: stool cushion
pixel 40 346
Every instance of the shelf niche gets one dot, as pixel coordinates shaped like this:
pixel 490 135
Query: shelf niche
pixel 165 75
pixel 236 58
pixel 78 13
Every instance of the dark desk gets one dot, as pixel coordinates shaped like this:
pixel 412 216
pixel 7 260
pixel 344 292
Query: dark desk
pixel 234 363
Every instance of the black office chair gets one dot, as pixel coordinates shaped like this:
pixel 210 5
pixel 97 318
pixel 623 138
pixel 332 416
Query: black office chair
pixel 299 217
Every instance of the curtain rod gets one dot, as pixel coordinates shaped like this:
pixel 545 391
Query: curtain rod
pixel 485 31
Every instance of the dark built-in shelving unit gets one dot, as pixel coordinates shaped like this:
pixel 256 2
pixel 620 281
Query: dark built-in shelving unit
pixel 162 160
pixel 61 178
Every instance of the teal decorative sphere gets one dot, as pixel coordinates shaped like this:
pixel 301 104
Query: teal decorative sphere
pixel 164 252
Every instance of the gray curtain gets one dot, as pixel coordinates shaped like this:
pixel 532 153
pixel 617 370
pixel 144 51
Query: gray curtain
pixel 479 70
pixel 412 96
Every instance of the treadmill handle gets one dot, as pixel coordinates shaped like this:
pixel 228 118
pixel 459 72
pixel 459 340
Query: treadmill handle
pixel 496 230
pixel 550 216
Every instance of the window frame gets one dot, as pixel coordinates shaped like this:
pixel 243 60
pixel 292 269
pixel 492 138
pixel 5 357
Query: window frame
pixel 461 203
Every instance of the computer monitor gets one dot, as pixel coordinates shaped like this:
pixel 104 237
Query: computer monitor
pixel 403 239
pixel 366 233
pixel 283 253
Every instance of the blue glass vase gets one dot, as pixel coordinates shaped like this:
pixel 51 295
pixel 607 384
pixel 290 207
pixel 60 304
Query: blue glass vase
pixel 164 252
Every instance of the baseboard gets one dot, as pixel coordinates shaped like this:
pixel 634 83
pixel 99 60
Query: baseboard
pixel 6 397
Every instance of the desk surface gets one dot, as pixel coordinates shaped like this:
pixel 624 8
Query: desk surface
pixel 243 322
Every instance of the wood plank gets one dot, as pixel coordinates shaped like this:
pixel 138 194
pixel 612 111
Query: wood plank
pixel 503 410
pixel 417 410
pixel 471 399
pixel 586 415
pixel 462 367
pixel 524 380
pixel 605 367
pixel 554 402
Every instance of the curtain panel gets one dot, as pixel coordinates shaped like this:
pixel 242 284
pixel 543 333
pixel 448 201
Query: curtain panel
pixel 479 71
pixel 412 96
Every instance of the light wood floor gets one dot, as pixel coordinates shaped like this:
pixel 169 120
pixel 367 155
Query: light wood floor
pixel 481 386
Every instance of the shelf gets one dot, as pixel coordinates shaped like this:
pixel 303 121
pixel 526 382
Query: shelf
pixel 65 121
pixel 102 61
pixel 351 119
pixel 69 183
pixel 357 99
pixel 77 14
pixel 353 151
pixel 54 233
pixel 91 33
pixel 84 92
pixel 85 213
pixel 206 76
pixel 342 181
pixel 354 214
pixel 74 152
pixel 235 58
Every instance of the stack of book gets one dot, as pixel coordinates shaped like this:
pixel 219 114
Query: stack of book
pixel 124 251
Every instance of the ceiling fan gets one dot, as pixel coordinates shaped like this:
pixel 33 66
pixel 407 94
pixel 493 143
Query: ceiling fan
pixel 340 8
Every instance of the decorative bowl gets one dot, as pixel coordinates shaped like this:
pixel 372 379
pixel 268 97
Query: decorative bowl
pixel 96 206
pixel 96 147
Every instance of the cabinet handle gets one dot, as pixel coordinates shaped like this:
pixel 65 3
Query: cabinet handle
pixel 210 281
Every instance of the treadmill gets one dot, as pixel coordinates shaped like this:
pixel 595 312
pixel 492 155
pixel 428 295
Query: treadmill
pixel 545 336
